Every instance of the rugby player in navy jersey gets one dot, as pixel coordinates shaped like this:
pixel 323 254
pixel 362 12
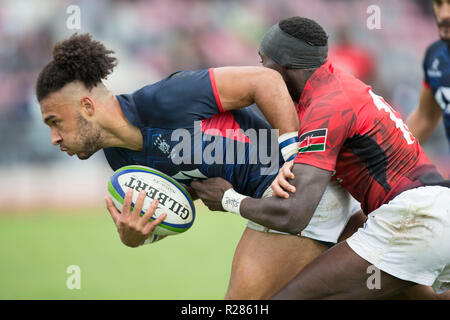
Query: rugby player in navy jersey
pixel 434 101
pixel 139 128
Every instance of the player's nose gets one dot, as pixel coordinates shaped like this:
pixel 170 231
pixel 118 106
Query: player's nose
pixel 56 138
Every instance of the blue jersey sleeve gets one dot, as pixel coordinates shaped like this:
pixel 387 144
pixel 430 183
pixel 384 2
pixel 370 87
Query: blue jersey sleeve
pixel 178 100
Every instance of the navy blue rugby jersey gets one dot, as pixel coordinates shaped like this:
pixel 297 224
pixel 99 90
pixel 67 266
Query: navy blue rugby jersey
pixel 188 135
pixel 436 66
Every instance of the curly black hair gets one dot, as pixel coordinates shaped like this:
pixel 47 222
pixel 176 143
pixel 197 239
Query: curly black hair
pixel 77 58
pixel 304 29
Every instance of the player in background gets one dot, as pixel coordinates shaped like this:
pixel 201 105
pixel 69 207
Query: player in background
pixel 434 101
pixel 137 128
pixel 349 134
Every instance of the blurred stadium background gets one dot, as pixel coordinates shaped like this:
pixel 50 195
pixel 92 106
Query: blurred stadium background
pixel 51 206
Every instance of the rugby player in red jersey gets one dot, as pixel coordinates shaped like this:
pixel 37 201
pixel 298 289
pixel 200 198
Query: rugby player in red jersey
pixel 349 134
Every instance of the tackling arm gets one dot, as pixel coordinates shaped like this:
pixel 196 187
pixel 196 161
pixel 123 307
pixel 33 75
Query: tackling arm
pixel 424 120
pixel 290 215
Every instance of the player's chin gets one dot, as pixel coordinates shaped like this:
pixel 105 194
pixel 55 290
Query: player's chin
pixel 444 34
pixel 83 155
pixel 86 153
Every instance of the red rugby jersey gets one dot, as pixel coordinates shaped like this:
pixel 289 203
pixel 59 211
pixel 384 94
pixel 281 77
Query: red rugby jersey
pixel 347 129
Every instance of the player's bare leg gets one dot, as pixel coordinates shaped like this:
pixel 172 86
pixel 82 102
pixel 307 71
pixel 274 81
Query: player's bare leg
pixel 355 222
pixel 264 262
pixel 340 273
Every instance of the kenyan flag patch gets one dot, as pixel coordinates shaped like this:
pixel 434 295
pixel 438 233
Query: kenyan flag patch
pixel 313 141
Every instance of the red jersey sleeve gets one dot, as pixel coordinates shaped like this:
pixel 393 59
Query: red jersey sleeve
pixel 323 130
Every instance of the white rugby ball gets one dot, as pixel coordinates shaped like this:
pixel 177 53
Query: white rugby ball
pixel 174 200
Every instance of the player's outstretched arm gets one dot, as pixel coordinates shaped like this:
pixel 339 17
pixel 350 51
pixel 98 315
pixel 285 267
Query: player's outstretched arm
pixel 289 215
pixel 293 214
pixel 134 229
pixel 239 87
pixel 424 120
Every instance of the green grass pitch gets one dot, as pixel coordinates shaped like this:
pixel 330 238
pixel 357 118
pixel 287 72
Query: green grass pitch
pixel 37 247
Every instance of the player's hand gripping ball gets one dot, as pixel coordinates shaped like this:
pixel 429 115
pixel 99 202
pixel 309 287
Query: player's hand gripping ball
pixel 173 199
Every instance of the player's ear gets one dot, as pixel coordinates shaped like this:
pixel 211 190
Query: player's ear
pixel 87 106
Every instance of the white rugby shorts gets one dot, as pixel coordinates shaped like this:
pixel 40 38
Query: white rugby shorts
pixel 330 218
pixel 409 237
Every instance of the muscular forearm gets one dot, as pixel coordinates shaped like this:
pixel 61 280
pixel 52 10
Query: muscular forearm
pixel 274 101
pixel 290 215
pixel 293 214
pixel 276 213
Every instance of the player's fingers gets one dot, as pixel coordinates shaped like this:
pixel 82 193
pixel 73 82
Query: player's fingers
pixel 286 185
pixel 138 205
pixel 115 214
pixel 151 226
pixel 278 191
pixel 149 213
pixel 126 209
pixel 286 170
